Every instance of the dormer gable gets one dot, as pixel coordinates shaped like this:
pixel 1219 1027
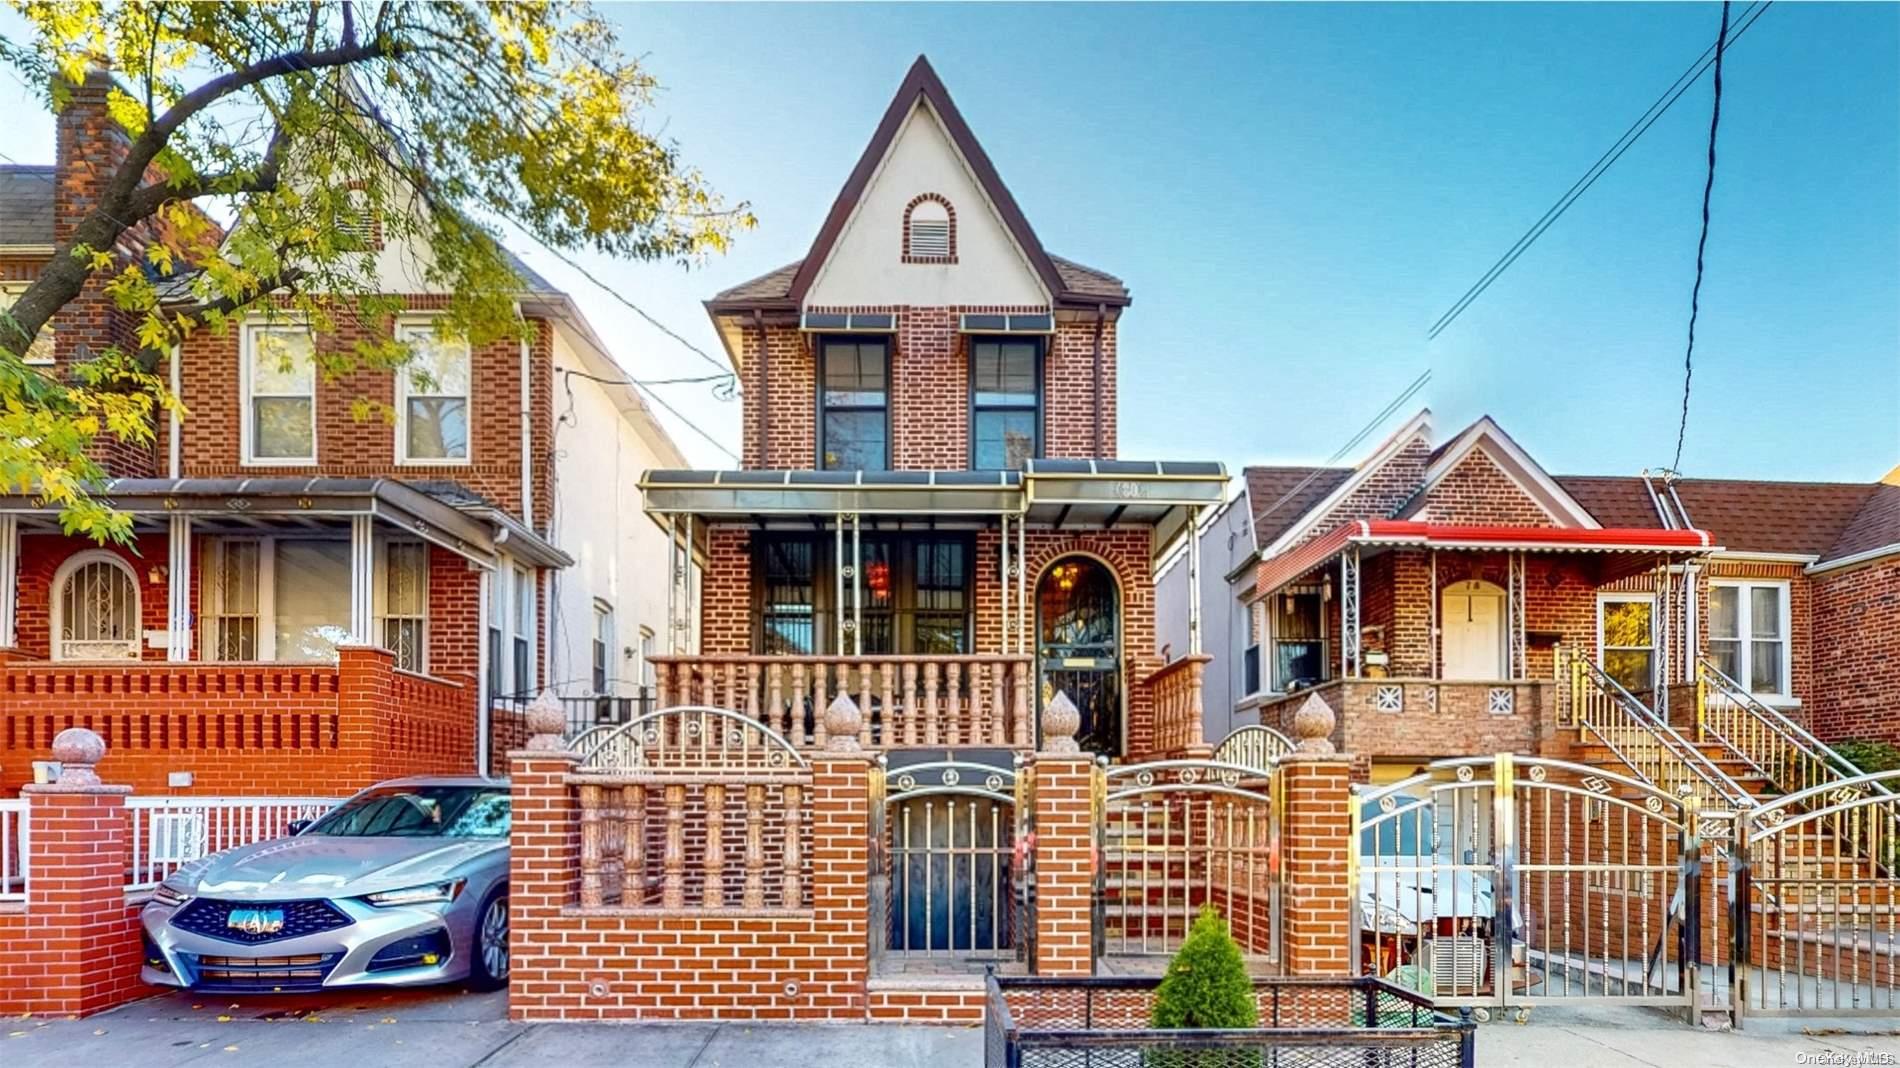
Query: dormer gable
pixel 1482 477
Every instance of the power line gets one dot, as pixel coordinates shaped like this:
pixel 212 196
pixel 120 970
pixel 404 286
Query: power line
pixel 1596 170
pixel 1702 243
pixel 695 427
pixel 644 387
pixel 1371 425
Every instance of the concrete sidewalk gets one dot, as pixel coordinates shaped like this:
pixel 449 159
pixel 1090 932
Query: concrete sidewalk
pixel 451 1029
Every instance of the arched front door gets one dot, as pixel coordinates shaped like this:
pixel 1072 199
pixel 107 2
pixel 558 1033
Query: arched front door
pixel 1471 620
pixel 1079 643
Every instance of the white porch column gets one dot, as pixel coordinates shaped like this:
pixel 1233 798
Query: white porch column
pixel 1691 651
pixel 1659 629
pixel 178 626
pixel 9 577
pixel 1194 583
pixel 362 580
pixel 1519 653
pixel 1024 643
pixel 1349 660
pixel 857 590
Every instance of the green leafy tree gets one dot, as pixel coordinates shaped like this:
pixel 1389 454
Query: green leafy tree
pixel 1206 986
pixel 442 121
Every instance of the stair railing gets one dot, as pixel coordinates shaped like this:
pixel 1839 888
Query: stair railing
pixel 1765 737
pixel 1653 750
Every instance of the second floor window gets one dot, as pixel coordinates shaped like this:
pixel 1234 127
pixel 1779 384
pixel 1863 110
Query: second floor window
pixel 1004 402
pixel 432 398
pixel 601 661
pixel 280 395
pixel 854 404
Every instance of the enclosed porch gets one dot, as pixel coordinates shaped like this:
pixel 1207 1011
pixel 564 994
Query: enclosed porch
pixel 1431 640
pixel 948 605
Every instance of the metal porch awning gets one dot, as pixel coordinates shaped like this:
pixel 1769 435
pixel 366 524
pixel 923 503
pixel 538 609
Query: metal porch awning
pixel 1372 535
pixel 473 529
pixel 1059 494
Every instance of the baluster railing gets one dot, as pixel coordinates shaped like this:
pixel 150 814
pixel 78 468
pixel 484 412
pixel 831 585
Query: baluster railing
pixel 1649 746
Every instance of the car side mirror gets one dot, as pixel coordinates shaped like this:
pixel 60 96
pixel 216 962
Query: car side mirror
pixel 296 827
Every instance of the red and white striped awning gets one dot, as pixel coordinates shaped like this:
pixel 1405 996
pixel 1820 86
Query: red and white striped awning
pixel 1404 533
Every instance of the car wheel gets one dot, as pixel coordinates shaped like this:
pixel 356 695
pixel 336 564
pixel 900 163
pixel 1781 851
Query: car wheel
pixel 490 968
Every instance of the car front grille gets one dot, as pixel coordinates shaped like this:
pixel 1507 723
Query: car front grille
pixel 211 918
pixel 302 973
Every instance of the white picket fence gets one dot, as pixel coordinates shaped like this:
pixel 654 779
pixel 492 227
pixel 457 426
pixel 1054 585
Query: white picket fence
pixel 13 849
pixel 169 832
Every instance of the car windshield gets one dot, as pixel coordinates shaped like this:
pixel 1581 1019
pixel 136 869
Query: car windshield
pixel 420 812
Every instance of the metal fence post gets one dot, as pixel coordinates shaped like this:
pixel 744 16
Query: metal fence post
pixel 1689 968
pixel 1504 842
pixel 1741 931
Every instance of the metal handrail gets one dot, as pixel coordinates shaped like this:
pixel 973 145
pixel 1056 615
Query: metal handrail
pixel 1670 744
pixel 1835 766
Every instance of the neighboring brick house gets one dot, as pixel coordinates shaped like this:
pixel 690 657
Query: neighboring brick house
pixel 1468 568
pixel 313 600
pixel 929 484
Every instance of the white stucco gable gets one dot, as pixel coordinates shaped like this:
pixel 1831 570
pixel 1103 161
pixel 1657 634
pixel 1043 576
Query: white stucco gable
pixel 866 264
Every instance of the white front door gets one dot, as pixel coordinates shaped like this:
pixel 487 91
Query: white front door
pixel 1471 621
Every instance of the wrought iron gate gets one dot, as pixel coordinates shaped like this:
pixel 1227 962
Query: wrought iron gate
pixel 948 879
pixel 1175 835
pixel 1815 902
pixel 1510 881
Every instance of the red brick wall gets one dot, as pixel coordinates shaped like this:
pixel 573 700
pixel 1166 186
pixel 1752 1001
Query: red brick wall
pixel 349 447
pixel 40 558
pixel 930 386
pixel 571 963
pixel 1065 866
pixel 1856 653
pixel 1316 821
pixel 1383 493
pixel 1478 492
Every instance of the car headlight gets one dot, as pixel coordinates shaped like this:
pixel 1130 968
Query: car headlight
pixel 430 893
pixel 169 896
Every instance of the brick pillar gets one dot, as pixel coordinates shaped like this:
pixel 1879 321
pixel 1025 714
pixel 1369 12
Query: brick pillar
pixel 1315 799
pixel 365 697
pixel 544 866
pixel 840 886
pixel 77 947
pixel 1065 862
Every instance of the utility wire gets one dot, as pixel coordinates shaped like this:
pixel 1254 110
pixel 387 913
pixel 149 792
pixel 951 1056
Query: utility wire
pixel 1371 425
pixel 1702 243
pixel 1604 162
pixel 644 386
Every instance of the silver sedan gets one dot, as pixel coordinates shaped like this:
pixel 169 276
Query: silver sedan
pixel 405 883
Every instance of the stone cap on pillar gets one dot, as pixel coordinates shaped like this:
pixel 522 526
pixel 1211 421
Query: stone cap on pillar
pixel 1060 722
pixel 1313 727
pixel 843 721
pixel 546 723
pixel 78 751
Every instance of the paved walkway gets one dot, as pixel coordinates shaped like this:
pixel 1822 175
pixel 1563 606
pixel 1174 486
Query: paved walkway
pixel 451 1029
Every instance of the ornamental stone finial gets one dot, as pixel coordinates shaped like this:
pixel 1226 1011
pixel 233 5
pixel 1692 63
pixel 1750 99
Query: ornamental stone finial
pixel 78 751
pixel 1060 721
pixel 1313 727
pixel 843 720
pixel 546 723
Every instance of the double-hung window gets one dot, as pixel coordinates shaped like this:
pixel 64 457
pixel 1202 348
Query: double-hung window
pixel 280 395
pixel 1748 635
pixel 854 404
pixel 432 397
pixel 1626 639
pixel 1297 620
pixel 497 625
pixel 601 650
pixel 1005 408
pixel 915 593
pixel 288 599
pixel 522 635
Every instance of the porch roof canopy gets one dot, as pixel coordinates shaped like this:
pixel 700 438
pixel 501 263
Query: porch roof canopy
pixel 1381 534
pixel 462 523
pixel 1061 494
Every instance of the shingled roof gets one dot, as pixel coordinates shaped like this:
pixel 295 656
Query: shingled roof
pixel 26 204
pixel 1822 519
pixel 1279 496
pixel 775 286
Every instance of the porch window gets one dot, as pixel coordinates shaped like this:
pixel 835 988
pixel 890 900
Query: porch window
pixel 854 404
pixel 602 649
pixel 311 585
pixel 497 623
pixel 432 401
pixel 96 608
pixel 1005 402
pixel 915 590
pixel 280 395
pixel 1298 622
pixel 1748 635
pixel 402 602
pixel 231 604
pixel 1626 639
pixel 1250 656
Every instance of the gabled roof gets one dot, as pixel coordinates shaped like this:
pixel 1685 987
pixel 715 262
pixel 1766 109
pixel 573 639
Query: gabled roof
pixel 1511 459
pixel 1067 281
pixel 26 204
pixel 1297 526
pixel 1279 496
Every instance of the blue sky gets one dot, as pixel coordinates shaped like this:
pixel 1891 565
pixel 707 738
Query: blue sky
pixel 1294 193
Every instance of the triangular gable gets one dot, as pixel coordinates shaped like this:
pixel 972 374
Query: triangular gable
pixel 1485 478
pixel 922 84
pixel 1404 449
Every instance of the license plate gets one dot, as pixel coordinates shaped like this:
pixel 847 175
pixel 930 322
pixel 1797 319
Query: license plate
pixel 256 921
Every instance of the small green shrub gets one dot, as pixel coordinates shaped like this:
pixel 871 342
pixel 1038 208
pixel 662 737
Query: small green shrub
pixel 1869 755
pixel 1206 986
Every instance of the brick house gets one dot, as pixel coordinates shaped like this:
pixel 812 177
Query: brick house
pixel 1429 592
pixel 313 601
pixel 930 506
